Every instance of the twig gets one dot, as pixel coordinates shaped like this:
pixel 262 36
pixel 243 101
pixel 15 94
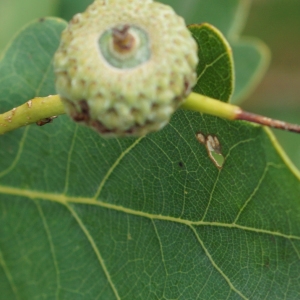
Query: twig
pixel 40 109
pixel 32 111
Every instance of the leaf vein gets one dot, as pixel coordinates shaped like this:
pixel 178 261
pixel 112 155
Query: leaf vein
pixel 210 65
pixel 94 247
pixel 65 200
pixel 253 193
pixel 232 287
pixel 220 170
pixel 49 237
pixel 162 254
pixel 18 155
pixel 295 248
pixel 8 275
pixel 113 167
pixel 69 160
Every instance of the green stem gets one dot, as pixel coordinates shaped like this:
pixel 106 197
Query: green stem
pixel 228 111
pixel 31 112
pixel 206 105
pixel 42 108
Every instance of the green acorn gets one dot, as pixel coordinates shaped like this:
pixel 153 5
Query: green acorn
pixel 124 66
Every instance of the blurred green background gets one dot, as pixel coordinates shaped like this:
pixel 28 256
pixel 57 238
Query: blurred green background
pixel 276 22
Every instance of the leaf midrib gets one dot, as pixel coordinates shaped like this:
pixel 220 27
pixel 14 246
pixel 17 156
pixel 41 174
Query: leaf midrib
pixel 65 200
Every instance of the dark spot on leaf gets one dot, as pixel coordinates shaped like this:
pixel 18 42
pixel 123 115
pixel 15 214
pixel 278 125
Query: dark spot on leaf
pixel 41 19
pixel 267 263
pixel 181 164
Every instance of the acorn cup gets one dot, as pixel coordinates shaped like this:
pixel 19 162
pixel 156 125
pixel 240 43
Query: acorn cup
pixel 124 66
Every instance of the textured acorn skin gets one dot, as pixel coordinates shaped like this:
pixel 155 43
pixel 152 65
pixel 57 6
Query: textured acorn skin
pixel 128 101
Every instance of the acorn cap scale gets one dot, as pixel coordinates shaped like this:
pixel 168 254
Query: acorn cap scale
pixel 123 67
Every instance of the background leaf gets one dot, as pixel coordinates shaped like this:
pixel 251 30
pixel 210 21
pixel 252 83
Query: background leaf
pixel 15 14
pixel 68 8
pixel 251 56
pixel 278 24
pixel 215 68
pixel 83 217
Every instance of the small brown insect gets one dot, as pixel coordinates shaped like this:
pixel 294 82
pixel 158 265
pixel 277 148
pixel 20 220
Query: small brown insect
pixel 45 121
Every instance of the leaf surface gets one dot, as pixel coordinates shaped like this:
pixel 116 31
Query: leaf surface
pixel 82 217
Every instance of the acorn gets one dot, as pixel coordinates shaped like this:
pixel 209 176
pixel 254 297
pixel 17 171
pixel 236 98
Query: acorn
pixel 124 66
